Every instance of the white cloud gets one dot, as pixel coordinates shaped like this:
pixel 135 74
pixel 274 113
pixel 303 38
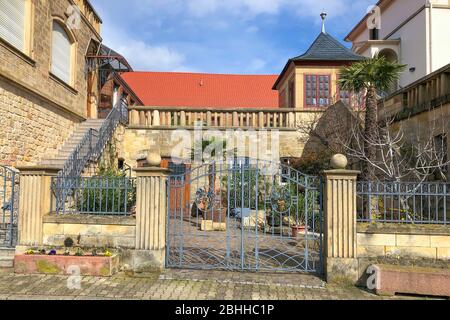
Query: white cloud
pixel 144 56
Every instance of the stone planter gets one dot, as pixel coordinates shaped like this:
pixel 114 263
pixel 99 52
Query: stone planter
pixel 44 264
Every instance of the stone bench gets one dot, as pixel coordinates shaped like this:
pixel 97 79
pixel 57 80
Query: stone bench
pixel 392 279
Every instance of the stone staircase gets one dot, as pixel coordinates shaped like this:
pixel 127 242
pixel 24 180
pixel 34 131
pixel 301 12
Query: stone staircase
pixel 72 142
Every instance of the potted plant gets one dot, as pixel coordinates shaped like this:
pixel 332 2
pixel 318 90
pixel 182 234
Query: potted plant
pixel 210 200
pixel 299 215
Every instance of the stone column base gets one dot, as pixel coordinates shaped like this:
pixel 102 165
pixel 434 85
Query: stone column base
pixel 342 270
pixel 145 260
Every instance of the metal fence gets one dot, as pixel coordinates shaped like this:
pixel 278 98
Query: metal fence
pixel 9 206
pixel 94 195
pixel 403 202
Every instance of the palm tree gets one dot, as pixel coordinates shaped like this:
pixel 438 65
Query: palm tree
pixel 372 76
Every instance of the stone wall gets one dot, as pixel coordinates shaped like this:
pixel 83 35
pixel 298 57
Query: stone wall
pixel 404 241
pixel 38 111
pixel 138 141
pixel 401 244
pixel 92 231
pixel 30 128
pixel 32 69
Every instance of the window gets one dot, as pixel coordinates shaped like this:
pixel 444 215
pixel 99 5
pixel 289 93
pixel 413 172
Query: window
pixel 374 34
pixel 292 94
pixel 345 96
pixel 282 99
pixel 61 54
pixel 12 22
pixel 317 90
pixel 177 169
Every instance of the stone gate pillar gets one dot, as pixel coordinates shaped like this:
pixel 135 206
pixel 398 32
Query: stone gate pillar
pixel 34 203
pixel 151 211
pixel 341 264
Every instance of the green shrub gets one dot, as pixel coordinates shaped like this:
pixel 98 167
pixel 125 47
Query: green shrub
pixel 110 192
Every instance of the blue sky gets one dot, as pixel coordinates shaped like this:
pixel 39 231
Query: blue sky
pixel 220 36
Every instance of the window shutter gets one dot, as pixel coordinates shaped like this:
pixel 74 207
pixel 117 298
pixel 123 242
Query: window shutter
pixel 61 52
pixel 12 22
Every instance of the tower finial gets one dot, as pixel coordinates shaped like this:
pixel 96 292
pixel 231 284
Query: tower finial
pixel 323 15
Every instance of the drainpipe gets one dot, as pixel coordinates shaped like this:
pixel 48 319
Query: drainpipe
pixel 430 40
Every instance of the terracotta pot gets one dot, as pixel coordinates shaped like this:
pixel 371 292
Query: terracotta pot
pixel 296 230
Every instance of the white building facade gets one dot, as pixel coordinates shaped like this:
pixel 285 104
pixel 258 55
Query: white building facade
pixel 414 32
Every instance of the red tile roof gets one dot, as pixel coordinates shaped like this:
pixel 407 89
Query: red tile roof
pixel 201 90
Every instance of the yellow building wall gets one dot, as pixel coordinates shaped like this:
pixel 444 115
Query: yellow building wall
pixel 299 72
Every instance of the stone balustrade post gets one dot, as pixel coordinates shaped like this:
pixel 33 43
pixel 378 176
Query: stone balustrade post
pixel 156 120
pixel 340 242
pixel 134 118
pixel 183 118
pixel 35 202
pixel 261 119
pixel 151 211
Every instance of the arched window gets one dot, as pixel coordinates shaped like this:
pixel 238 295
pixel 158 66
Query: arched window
pixel 12 22
pixel 61 53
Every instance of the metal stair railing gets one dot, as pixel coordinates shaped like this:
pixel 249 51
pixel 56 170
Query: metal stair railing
pixel 89 150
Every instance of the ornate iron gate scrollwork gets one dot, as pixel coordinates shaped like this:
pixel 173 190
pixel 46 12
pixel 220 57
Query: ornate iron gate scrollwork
pixel 251 215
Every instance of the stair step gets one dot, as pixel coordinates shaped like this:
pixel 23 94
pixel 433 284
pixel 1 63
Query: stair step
pixel 6 262
pixel 7 252
pixel 53 162
pixel 73 141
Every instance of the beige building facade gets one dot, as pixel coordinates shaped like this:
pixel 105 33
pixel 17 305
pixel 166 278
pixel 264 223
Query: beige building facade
pixel 44 88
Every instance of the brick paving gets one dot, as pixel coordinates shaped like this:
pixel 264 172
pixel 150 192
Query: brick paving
pixel 178 285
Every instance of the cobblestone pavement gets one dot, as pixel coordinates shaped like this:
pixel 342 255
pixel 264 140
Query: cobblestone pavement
pixel 177 285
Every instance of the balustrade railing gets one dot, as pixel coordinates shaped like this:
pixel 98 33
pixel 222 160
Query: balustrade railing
pixel 244 118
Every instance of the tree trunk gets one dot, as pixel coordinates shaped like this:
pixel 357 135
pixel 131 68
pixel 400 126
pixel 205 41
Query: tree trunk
pixel 370 132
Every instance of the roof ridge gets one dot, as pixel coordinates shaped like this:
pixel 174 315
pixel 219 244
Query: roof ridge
pixel 202 73
pixel 320 50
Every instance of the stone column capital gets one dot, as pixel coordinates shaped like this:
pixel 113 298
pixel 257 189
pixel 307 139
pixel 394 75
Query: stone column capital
pixel 151 172
pixel 341 173
pixel 39 170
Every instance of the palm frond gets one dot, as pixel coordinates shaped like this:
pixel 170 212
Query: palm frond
pixel 377 72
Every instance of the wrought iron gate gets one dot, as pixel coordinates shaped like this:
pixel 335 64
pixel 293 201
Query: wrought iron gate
pixel 9 206
pixel 246 215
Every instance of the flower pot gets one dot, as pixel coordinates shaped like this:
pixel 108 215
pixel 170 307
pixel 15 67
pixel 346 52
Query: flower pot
pixel 296 230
